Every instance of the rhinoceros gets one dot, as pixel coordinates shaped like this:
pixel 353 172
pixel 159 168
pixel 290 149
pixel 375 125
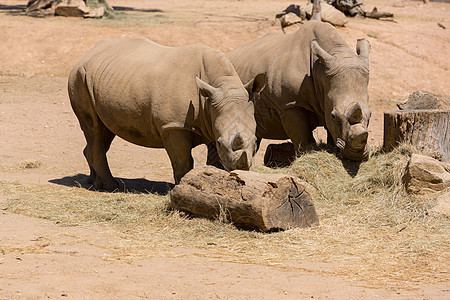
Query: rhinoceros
pixel 313 79
pixel 157 96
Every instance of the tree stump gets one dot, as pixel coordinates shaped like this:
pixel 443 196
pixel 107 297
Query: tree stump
pixel 279 155
pixel 266 202
pixel 427 129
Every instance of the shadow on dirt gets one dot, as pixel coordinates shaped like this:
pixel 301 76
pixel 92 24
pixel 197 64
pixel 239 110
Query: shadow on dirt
pixel 127 8
pixel 19 10
pixel 352 167
pixel 13 8
pixel 135 185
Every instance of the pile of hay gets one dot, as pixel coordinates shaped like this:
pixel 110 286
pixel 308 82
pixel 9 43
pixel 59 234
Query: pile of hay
pixel 370 229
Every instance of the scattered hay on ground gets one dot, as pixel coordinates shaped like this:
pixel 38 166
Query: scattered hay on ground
pixel 369 227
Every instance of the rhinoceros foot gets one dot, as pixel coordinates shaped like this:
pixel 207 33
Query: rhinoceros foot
pixel 105 185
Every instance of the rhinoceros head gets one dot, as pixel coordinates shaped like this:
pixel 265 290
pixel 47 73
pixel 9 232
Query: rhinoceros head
pixel 345 96
pixel 231 111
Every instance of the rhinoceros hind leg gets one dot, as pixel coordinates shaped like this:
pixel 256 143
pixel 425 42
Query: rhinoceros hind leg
pixel 99 139
pixel 178 144
pixel 297 126
pixel 107 137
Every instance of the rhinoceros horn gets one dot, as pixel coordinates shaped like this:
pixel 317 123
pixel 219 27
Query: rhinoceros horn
pixel 323 55
pixel 363 48
pixel 238 142
pixel 353 113
pixel 206 89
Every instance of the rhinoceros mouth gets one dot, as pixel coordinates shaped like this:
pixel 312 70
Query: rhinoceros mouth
pixel 346 151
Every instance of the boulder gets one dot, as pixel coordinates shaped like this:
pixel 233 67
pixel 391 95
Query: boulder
pixel 442 206
pixel 95 4
pixel 328 13
pixel 250 200
pixel 95 13
pixel 71 8
pixel 425 174
pixel 289 19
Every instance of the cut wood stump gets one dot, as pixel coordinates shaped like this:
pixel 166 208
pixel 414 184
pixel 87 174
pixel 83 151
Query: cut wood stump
pixel 428 130
pixel 279 155
pixel 250 200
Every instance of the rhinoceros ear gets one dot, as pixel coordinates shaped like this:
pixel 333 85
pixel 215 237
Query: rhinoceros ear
pixel 206 89
pixel 363 48
pixel 323 55
pixel 257 84
pixel 353 113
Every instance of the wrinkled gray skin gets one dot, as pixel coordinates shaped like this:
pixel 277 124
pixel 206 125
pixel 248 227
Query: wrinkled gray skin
pixel 313 79
pixel 150 95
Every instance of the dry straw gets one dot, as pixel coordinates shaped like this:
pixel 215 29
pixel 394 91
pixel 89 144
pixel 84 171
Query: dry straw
pixel 370 230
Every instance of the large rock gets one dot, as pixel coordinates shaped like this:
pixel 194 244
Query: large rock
pixel 250 200
pixel 71 8
pixel 329 14
pixel 425 174
pixel 95 13
pixel 442 206
pixel 289 19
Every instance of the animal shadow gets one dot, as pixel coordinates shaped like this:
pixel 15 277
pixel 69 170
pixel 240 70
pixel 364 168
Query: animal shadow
pixel 352 167
pixel 134 185
pixel 127 8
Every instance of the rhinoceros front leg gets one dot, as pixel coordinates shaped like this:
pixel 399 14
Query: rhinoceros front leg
pixel 213 157
pixel 296 124
pixel 178 144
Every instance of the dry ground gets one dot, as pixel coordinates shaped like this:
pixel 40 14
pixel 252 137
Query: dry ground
pixel 41 144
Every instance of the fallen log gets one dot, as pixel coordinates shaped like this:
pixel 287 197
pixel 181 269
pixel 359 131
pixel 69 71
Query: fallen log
pixel 375 14
pixel 250 200
pixel 427 129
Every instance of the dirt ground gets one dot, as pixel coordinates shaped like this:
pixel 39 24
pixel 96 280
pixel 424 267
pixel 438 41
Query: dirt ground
pixel 41 143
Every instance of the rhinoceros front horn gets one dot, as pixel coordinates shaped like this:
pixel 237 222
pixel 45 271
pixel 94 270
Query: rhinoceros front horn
pixel 353 113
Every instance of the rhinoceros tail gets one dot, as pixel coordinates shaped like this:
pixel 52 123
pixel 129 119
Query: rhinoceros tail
pixel 86 82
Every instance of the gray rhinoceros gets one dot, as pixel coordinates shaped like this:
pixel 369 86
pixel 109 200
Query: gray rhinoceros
pixel 313 79
pixel 157 96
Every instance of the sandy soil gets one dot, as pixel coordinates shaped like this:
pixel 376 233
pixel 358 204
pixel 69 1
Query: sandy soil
pixel 41 143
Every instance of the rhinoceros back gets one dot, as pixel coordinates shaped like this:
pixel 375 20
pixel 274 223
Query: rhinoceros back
pixel 138 88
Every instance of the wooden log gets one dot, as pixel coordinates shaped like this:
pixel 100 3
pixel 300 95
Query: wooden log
pixel 428 130
pixel 316 12
pixel 279 155
pixel 34 5
pixel 250 200
pixel 375 14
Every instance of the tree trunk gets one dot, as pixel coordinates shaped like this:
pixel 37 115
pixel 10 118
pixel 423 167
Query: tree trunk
pixel 316 12
pixel 428 130
pixel 279 155
pixel 266 202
